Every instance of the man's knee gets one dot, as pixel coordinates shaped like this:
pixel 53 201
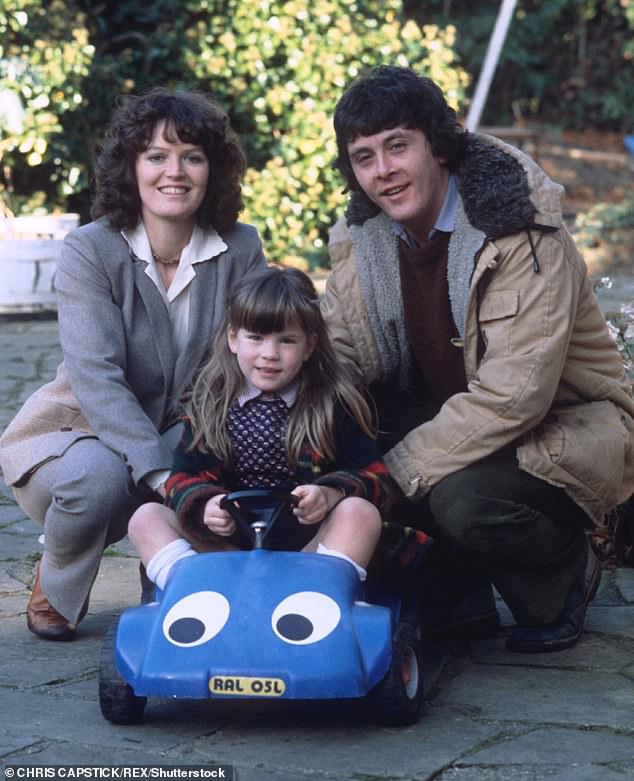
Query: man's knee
pixel 455 510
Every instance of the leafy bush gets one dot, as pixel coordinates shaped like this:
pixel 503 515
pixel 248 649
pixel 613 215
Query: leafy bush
pixel 568 62
pixel 36 91
pixel 280 67
pixel 615 542
pixel 277 67
pixel 605 234
pixel 621 327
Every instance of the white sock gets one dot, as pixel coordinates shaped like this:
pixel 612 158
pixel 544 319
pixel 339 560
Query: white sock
pixel 330 552
pixel 159 566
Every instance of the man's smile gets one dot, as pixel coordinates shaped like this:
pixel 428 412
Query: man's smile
pixel 394 190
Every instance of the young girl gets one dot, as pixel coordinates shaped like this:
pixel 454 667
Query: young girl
pixel 272 408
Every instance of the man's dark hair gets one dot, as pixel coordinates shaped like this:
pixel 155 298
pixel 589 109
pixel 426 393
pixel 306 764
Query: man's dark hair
pixel 191 117
pixel 390 96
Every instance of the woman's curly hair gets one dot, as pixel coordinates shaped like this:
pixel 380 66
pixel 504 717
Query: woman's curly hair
pixel 191 117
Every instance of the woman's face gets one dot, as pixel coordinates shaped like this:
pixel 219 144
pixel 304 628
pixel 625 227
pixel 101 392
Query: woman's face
pixel 172 178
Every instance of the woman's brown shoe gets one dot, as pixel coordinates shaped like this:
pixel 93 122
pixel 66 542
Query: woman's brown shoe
pixel 42 619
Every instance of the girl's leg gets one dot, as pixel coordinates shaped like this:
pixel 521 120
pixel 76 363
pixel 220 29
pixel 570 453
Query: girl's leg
pixel 151 528
pixel 352 528
pixel 156 533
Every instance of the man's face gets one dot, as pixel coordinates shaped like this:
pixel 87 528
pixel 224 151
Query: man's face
pixel 397 170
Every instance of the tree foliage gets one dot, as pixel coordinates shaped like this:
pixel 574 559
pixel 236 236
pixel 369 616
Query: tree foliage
pixel 281 67
pixel 45 55
pixel 278 67
pixel 569 62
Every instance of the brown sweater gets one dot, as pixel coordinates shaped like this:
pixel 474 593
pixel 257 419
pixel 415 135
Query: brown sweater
pixel 428 319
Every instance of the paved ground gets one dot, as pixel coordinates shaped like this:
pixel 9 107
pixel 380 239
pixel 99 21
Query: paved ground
pixel 489 715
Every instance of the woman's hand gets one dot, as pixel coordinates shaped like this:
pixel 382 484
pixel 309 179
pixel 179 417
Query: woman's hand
pixel 315 502
pixel 216 519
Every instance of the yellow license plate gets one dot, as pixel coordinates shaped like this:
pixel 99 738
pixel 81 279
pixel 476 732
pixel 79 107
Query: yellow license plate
pixel 241 686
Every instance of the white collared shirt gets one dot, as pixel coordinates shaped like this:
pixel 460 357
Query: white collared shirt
pixel 202 246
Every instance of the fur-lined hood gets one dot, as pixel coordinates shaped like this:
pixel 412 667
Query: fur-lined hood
pixel 502 188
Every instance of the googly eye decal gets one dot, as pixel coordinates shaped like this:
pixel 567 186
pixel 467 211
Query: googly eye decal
pixel 305 617
pixel 196 618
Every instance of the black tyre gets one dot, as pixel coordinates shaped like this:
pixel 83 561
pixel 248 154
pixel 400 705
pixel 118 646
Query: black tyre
pixel 398 698
pixel 118 702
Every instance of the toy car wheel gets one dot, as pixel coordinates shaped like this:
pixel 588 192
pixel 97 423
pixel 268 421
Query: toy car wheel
pixel 118 702
pixel 398 698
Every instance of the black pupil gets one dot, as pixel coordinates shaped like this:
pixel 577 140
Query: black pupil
pixel 186 630
pixel 294 627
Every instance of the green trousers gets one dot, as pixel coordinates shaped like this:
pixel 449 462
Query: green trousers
pixel 520 532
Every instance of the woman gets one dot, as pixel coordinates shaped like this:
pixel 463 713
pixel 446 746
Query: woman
pixel 141 291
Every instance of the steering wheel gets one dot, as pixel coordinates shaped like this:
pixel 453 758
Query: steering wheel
pixel 257 510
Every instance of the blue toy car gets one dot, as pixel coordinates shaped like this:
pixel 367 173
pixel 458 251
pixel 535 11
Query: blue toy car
pixel 263 624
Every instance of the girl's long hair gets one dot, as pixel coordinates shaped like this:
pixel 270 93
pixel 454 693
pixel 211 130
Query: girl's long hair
pixel 265 302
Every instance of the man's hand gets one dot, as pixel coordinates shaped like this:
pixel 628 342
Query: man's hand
pixel 315 502
pixel 216 519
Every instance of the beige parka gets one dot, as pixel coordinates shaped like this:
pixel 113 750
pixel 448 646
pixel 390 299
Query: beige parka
pixel 543 372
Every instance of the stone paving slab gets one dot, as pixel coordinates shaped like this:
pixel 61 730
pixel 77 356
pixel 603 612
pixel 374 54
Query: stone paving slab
pixel 538 695
pixel 598 747
pixel 523 773
pixel 489 715
pixel 593 652
pixel 625 584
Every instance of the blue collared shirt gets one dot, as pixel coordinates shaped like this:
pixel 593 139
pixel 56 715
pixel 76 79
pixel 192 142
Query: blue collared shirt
pixel 287 394
pixel 446 218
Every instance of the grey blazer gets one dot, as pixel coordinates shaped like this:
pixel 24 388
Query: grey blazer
pixel 120 378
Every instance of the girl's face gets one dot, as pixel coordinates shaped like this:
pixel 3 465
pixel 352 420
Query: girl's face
pixel 172 179
pixel 271 361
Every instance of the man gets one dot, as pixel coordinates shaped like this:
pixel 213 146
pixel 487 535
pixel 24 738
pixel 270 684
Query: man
pixel 458 293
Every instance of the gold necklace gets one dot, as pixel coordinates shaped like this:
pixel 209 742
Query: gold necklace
pixel 165 261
